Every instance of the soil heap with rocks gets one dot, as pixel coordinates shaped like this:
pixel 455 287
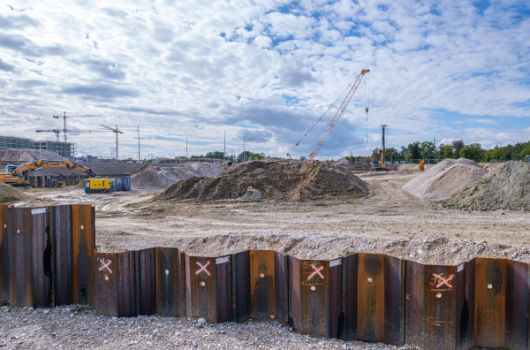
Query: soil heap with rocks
pixel 161 177
pixel 445 179
pixel 9 194
pixel 506 186
pixel 278 180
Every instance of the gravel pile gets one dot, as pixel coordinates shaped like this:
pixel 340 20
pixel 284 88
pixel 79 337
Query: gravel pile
pixel 506 186
pixel 9 194
pixel 278 180
pixel 77 327
pixel 445 179
pixel 161 177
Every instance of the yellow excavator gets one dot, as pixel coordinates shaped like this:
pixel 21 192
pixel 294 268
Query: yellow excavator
pixel 15 177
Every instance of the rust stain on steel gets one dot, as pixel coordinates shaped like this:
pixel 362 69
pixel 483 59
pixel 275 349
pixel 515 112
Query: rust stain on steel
pixel 29 270
pixel 83 247
pixel 499 296
pixel 115 282
pixel 436 314
pixel 315 288
pixel 169 281
pixel 209 288
pixel 61 232
pixel 4 257
pixel 146 281
pixel 268 285
pixel 373 298
pixel 241 286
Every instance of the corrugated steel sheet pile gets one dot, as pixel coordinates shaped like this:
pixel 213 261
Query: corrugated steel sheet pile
pixel 48 257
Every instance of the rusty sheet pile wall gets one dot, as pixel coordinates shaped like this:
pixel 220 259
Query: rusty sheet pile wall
pixel 48 257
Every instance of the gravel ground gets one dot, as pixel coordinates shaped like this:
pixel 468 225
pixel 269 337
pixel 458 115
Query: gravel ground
pixel 77 327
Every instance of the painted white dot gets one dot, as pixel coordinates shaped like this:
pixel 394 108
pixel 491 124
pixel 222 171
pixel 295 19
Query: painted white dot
pixel 18 231
pixel 82 227
pixel 106 277
pixel 203 283
pixel 490 286
pixel 370 280
pixel 262 275
pixel 5 225
pixel 273 317
pixel 313 288
pixel 439 295
pixel 167 272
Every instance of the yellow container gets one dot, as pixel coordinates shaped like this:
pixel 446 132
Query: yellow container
pixel 97 185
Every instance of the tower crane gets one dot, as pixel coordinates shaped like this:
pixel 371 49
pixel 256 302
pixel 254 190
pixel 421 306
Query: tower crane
pixel 340 111
pixel 57 133
pixel 116 131
pixel 65 130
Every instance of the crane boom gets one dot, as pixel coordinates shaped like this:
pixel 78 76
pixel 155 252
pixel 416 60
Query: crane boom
pixel 325 135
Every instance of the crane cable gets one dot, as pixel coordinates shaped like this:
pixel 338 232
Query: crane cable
pixel 322 116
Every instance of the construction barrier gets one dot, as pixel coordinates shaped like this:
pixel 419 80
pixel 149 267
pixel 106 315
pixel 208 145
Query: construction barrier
pixel 48 257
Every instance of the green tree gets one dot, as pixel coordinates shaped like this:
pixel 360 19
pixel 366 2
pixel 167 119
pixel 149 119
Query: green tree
pixel 445 151
pixel 473 151
pixel 247 155
pixel 457 147
pixel 215 155
pixel 413 151
pixel 427 150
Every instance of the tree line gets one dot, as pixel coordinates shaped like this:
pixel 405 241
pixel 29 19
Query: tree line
pixel 456 149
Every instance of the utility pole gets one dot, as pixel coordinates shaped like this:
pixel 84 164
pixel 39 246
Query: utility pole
pixel 244 147
pixel 187 156
pixel 383 127
pixel 138 130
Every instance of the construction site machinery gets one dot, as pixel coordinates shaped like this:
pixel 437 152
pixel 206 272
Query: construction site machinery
pixel 340 111
pixel 22 169
pixel 107 185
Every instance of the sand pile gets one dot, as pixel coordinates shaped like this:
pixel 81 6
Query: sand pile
pixel 161 177
pixel 289 180
pixel 506 186
pixel 9 195
pixel 445 179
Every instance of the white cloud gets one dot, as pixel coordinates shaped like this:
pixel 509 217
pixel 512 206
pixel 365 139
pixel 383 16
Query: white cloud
pixel 198 68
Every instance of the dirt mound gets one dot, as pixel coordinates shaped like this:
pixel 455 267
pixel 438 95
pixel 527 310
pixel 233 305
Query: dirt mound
pixel 9 195
pixel 290 180
pixel 506 186
pixel 161 177
pixel 445 179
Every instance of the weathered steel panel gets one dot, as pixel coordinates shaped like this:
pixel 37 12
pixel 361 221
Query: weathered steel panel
pixel 241 286
pixel 83 247
pixel 4 257
pixel 315 289
pixel 115 284
pixel 61 232
pixel 268 285
pixel 436 316
pixel 499 291
pixel 146 281
pixel 41 257
pixel 373 298
pixel 209 288
pixel 29 257
pixel 169 282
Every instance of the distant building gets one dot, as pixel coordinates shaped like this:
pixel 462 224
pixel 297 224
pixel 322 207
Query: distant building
pixel 64 149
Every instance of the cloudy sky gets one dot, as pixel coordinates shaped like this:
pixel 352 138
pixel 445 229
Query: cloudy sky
pixel 265 71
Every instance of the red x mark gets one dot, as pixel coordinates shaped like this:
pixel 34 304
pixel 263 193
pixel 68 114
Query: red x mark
pixel 202 268
pixel 104 265
pixel 439 280
pixel 316 271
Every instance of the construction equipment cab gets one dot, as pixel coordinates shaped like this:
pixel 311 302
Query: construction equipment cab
pixel 98 185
